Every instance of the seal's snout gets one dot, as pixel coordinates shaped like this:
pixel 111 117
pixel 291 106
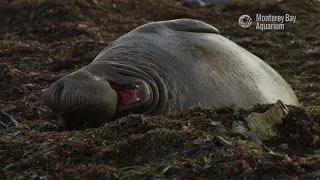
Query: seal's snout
pixel 81 100
pixel 52 96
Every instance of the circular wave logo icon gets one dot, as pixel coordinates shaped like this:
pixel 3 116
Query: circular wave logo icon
pixel 245 21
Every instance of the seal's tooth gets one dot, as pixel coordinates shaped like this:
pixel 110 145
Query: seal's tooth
pixel 136 86
pixel 137 99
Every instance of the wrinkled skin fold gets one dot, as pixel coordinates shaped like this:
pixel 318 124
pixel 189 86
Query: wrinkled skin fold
pixel 165 67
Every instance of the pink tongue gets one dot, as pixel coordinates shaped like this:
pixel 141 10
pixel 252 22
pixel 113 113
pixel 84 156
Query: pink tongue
pixel 124 95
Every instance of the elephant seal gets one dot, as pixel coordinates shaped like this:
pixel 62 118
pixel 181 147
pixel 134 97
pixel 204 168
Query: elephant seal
pixel 164 67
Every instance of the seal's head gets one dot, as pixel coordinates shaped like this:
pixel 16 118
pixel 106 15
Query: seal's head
pixel 95 94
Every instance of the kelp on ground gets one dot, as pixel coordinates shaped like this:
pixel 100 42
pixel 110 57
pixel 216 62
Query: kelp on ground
pixel 181 145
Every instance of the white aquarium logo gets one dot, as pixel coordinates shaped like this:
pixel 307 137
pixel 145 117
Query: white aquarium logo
pixel 245 21
pixel 267 21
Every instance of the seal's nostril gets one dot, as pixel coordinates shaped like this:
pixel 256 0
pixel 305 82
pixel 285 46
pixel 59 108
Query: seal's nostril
pixel 81 101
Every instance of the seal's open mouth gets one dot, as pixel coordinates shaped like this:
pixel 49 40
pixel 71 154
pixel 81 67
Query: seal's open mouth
pixel 135 98
pixel 126 96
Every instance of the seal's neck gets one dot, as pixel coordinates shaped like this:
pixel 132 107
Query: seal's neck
pixel 150 76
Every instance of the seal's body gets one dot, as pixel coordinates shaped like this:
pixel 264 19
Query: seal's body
pixel 163 67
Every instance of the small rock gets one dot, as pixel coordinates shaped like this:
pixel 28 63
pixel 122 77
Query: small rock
pixel 216 123
pixel 29 86
pixel 82 25
pixel 238 127
pixel 267 124
pixel 296 44
pixel 7 121
pixel 313 52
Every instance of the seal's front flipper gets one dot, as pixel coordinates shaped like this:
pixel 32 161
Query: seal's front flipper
pixel 189 25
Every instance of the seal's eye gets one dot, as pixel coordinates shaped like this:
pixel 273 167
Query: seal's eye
pixel 126 95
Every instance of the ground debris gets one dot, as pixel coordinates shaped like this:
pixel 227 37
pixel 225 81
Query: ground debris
pixel 7 121
pixel 160 147
pixel 267 124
